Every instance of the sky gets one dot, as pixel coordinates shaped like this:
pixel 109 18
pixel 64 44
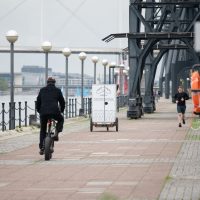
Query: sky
pixel 65 23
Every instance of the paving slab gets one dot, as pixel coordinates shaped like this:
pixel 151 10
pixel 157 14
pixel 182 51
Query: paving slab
pixel 149 158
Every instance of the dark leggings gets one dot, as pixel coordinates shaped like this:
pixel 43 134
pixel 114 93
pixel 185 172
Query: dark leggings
pixel 43 121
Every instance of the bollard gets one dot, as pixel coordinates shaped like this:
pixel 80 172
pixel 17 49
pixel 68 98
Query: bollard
pixel 35 110
pixel 81 112
pixel 32 120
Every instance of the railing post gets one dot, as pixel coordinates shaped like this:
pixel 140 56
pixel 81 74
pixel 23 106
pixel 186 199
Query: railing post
pixel 70 106
pixel 67 109
pixel 25 113
pixel 9 116
pixel 13 115
pixel 75 107
pixel 19 114
pixel 86 106
pixel 3 116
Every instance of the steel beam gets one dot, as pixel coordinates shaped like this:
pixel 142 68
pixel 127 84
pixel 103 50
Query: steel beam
pixel 149 100
pixel 184 4
pixel 151 35
pixel 170 27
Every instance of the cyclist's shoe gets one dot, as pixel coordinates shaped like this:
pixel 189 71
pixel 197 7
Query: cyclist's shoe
pixel 179 125
pixel 183 121
pixel 41 152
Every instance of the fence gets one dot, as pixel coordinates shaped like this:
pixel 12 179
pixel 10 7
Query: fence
pixel 24 114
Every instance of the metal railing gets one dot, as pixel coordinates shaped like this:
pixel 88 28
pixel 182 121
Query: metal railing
pixel 24 114
pixel 122 101
pixel 20 115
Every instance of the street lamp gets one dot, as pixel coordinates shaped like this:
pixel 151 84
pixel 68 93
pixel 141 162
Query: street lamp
pixel 121 68
pixel 82 57
pixel 95 60
pixel 105 63
pixel 66 52
pixel 12 37
pixel 112 66
pixel 46 46
pixel 188 84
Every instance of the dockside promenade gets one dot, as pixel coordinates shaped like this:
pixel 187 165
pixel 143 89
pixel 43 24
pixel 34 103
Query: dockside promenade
pixel 149 158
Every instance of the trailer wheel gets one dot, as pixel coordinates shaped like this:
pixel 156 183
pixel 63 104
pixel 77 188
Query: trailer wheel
pixel 117 124
pixel 91 125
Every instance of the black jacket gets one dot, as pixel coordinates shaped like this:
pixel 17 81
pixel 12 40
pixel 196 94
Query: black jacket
pixel 50 100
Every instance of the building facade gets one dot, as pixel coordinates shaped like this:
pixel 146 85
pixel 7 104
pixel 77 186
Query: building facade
pixel 17 80
pixel 33 77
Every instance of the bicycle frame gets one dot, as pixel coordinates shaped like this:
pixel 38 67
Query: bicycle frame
pixel 51 124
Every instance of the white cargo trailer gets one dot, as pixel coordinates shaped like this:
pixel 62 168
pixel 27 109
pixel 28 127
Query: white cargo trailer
pixel 104 106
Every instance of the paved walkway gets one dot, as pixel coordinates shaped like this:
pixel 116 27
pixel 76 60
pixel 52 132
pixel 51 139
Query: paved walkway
pixel 149 158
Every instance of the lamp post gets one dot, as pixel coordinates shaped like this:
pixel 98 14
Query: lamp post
pixel 111 67
pixel 95 60
pixel 188 85
pixel 127 79
pixel 82 57
pixel 46 46
pixel 105 63
pixel 66 52
pixel 12 37
pixel 188 79
pixel 121 67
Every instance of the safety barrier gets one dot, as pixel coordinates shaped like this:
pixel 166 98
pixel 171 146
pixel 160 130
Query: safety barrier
pixel 25 115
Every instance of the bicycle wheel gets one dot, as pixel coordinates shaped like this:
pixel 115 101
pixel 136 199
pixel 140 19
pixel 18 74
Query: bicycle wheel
pixel 47 148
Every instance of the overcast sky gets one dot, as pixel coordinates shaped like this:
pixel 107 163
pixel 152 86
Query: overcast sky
pixel 65 23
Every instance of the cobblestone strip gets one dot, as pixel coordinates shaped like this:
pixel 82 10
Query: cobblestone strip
pixel 22 141
pixel 184 179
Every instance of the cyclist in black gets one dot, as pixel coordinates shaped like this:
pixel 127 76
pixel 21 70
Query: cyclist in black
pixel 180 99
pixel 50 104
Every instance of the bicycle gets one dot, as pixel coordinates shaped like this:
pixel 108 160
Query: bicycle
pixel 49 139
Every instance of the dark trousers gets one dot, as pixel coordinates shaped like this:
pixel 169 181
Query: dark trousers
pixel 43 129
